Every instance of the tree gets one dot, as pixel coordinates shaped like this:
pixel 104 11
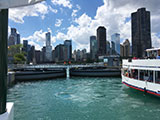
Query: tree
pixel 19 58
pixel 15 52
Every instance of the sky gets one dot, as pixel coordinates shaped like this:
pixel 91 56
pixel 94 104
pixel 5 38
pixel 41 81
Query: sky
pixel 77 20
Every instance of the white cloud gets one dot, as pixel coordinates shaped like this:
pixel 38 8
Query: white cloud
pixel 155 40
pixel 58 22
pixel 17 14
pixel 61 36
pixel 79 34
pixel 74 12
pixel 38 38
pixel 53 10
pixel 37 46
pixel 113 16
pixel 64 3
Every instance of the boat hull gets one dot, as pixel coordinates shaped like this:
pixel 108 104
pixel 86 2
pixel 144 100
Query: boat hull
pixel 144 86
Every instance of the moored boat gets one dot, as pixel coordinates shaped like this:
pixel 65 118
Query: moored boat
pixel 142 74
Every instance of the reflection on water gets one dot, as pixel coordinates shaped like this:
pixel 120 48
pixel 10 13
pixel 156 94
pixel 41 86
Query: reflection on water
pixel 81 99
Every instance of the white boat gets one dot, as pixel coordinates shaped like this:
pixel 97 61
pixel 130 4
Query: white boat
pixel 143 74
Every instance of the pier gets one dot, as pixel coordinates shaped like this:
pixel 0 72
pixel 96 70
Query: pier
pixel 43 72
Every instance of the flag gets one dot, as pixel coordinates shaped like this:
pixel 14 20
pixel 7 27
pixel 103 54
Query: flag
pixel 5 4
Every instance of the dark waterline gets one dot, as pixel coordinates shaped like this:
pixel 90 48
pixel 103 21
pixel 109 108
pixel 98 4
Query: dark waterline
pixel 82 99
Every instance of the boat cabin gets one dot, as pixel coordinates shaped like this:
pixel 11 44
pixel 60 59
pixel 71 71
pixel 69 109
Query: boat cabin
pixel 144 69
pixel 153 53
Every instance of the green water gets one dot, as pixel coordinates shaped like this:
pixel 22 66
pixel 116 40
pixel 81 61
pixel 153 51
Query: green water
pixel 82 99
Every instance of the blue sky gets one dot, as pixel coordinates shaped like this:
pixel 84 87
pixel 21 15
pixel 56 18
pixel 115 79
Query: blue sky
pixel 79 19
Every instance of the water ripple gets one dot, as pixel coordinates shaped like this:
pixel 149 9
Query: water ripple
pixel 81 99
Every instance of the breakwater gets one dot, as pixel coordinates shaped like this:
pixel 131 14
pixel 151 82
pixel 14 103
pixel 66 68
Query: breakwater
pixel 39 75
pixel 69 72
pixel 95 72
pixel 44 72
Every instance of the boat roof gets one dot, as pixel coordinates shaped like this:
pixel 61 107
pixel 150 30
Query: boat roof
pixel 152 49
pixel 143 64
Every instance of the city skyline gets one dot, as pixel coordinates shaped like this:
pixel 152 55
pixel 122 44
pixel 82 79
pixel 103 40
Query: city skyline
pixel 77 17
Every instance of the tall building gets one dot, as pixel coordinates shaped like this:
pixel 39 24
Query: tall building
pixel 126 45
pixel 141 32
pixel 25 46
pixel 121 50
pixel 78 55
pixel 43 54
pixel 68 44
pixel 83 56
pixel 93 47
pixel 108 48
pixel 74 55
pixel 14 38
pixel 101 40
pixel 116 39
pixel 32 54
pixel 28 53
pixel 113 48
pixel 125 49
pixel 59 53
pixel 18 39
pixel 37 56
pixel 48 47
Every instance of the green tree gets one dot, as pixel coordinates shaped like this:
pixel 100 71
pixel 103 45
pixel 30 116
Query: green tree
pixel 15 51
pixel 19 58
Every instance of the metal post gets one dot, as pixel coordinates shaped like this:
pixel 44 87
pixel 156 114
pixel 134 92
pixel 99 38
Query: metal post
pixel 138 74
pixel 3 59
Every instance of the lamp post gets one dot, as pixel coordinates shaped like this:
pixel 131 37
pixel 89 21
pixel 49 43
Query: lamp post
pixel 3 58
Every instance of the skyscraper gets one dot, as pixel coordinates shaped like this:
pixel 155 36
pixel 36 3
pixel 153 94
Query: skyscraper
pixel 126 45
pixel 116 39
pixel 113 51
pixel 25 46
pixel 68 45
pixel 14 38
pixel 141 32
pixel 125 48
pixel 48 47
pixel 121 50
pixel 59 53
pixel 26 49
pixel 93 47
pixel 101 40
pixel 108 48
pixel 18 39
pixel 43 54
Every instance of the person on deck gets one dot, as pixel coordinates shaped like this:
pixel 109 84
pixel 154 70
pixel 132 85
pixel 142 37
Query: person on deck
pixel 158 55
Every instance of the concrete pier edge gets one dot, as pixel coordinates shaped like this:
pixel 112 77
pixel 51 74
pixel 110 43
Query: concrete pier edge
pixel 9 114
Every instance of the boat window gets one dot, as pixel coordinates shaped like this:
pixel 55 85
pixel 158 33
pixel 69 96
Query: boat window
pixel 125 72
pixel 134 73
pixel 157 77
pixel 142 72
pixel 150 76
pixel 146 75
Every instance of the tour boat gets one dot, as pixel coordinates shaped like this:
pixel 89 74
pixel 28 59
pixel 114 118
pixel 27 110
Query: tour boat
pixel 143 74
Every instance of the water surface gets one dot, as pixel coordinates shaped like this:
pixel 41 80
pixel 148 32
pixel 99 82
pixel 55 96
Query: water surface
pixel 82 99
